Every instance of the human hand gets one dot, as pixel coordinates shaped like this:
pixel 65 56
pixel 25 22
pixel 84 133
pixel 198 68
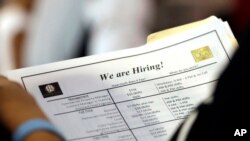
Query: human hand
pixel 16 105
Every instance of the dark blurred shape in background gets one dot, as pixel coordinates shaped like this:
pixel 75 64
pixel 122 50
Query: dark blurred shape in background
pixel 172 13
pixel 241 16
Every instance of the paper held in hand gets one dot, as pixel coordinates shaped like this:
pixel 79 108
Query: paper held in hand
pixel 140 94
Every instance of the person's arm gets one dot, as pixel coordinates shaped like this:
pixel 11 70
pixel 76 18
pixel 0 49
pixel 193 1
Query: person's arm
pixel 17 107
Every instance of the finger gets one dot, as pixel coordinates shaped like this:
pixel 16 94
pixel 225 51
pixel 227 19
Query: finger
pixel 3 80
pixel 2 77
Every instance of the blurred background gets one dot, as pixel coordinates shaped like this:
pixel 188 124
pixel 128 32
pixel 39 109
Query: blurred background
pixel 34 32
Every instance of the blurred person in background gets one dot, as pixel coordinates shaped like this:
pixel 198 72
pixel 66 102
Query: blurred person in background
pixel 64 29
pixel 38 32
pixel 14 15
pixel 58 28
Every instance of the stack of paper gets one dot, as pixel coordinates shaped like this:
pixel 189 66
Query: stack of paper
pixel 140 94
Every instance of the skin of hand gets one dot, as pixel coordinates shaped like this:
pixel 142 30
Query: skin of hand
pixel 17 106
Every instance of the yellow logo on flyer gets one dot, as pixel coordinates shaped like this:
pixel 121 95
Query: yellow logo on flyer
pixel 201 54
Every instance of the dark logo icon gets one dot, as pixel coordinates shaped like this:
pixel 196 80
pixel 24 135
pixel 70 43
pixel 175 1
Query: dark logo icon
pixel 51 89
